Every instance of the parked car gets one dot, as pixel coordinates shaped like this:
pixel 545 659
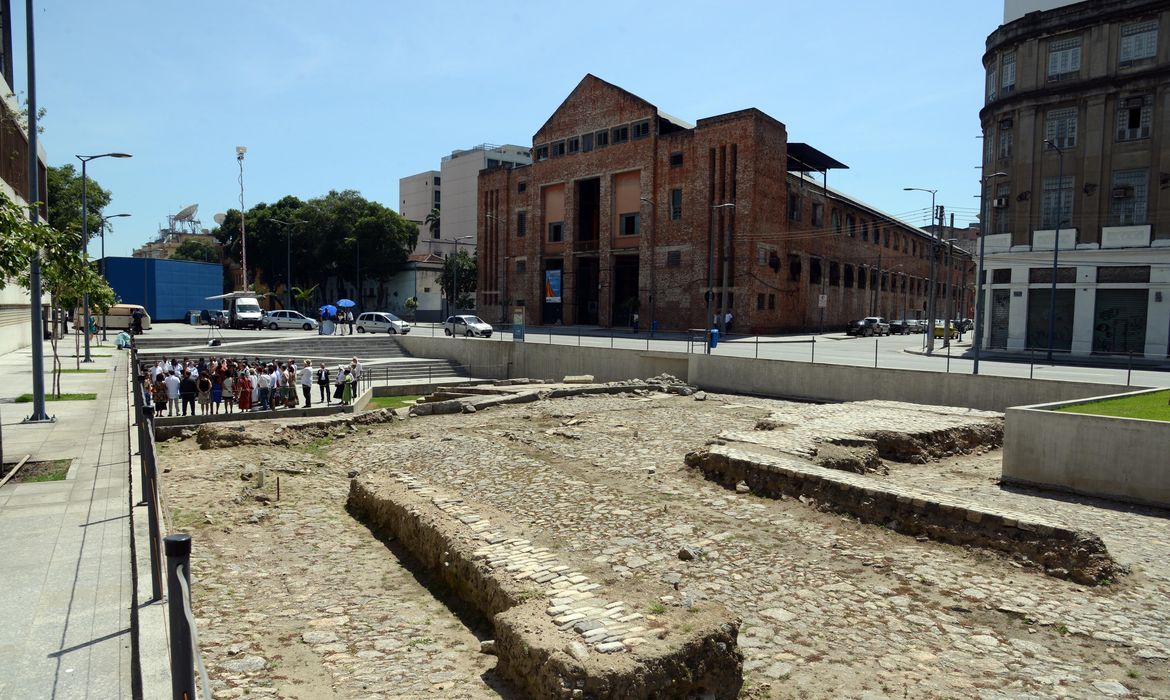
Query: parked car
pixel 940 330
pixel 965 324
pixel 906 325
pixel 289 319
pixel 870 325
pixel 381 322
pixel 467 325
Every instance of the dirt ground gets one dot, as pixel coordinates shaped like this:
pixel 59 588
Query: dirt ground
pixel 296 599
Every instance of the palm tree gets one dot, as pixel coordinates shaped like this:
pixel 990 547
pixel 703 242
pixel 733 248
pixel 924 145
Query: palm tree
pixel 304 296
pixel 432 222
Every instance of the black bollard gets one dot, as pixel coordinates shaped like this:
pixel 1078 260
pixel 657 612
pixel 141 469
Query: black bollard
pixel 178 548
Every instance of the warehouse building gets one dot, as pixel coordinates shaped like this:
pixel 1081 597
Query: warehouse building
pixel 627 210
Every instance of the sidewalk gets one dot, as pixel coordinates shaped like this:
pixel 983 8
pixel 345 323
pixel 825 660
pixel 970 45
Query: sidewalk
pixel 65 611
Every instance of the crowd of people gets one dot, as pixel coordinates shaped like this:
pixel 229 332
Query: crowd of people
pixel 174 387
pixel 335 324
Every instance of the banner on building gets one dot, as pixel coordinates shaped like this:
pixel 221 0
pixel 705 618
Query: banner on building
pixel 552 286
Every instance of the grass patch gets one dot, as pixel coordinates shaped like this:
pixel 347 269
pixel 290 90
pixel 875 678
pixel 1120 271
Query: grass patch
pixel 1152 406
pixel 78 371
pixel 377 402
pixel 27 398
pixel 657 609
pixel 35 472
pixel 318 445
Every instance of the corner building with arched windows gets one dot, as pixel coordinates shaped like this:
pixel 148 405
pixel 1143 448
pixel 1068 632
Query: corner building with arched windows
pixel 1077 120
pixel 626 209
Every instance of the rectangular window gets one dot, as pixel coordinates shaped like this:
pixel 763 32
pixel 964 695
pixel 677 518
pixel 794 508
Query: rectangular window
pixel 641 130
pixel 574 145
pixel 814 270
pixel 1134 115
pixel 674 258
pixel 676 160
pixel 1139 41
pixel 521 266
pixel 438 181
pixel 628 225
pixel 558 149
pixel 834 274
pixel 675 205
pixel 862 276
pixel 992 82
pixel 864 230
pixel 541 153
pixel 556 232
pixel 1043 275
pixel 759 302
pixel 771 302
pixel 586 143
pixel 1056 203
pixel 1064 58
pixel 794 267
pixel 886 238
pixel 850 226
pixel 601 139
pixel 793 204
pixel 1060 127
pixel 1001 276
pixel 1127 274
pixel 848 276
pixel 522 186
pixel 1129 196
pixel 1007 82
pixel 818 214
pixel 521 223
pixel 1005 144
pixel 836 218
pixel 620 134
pixel 999 214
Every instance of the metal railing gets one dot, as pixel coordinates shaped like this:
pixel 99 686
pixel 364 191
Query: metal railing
pixel 185 656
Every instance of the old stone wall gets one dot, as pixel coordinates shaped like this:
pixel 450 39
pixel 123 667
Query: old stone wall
pixel 1060 551
pixel 558 632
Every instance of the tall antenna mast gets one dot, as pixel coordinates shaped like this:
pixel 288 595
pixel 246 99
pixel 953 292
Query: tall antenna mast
pixel 240 151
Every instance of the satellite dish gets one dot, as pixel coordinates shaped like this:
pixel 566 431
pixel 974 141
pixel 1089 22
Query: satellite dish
pixel 219 217
pixel 187 214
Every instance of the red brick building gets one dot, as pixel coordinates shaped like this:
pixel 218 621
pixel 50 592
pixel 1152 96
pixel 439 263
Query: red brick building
pixel 623 205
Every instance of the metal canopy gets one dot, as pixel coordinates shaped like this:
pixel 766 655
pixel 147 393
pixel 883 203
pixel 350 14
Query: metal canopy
pixel 803 158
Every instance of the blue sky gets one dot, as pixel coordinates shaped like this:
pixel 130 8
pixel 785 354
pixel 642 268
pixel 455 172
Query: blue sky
pixel 357 94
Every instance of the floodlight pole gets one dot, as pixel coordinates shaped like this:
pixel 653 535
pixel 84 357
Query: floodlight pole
pixel 240 151
pixel 103 262
pixel 85 237
pixel 38 350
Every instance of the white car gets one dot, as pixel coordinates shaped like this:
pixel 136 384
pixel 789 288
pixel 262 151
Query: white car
pixel 381 322
pixel 467 325
pixel 289 319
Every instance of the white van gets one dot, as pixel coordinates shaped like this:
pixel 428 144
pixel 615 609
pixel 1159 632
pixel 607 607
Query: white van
pixel 381 322
pixel 120 317
pixel 245 313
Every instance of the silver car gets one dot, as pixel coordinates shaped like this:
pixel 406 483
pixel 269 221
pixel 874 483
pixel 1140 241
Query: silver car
pixel 289 319
pixel 381 322
pixel 467 325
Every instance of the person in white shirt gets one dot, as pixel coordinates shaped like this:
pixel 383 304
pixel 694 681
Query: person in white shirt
pixel 356 368
pixel 306 374
pixel 265 383
pixel 172 383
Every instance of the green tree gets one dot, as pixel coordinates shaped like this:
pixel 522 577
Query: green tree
pixel 197 250
pixel 304 297
pixel 63 196
pixel 467 265
pixel 432 223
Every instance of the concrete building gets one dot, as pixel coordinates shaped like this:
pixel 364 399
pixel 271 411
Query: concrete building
pixel 15 302
pixel 627 210
pixel 418 280
pixel 418 195
pixel 1076 119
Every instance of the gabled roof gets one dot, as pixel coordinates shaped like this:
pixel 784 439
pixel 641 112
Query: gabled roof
pixel 593 80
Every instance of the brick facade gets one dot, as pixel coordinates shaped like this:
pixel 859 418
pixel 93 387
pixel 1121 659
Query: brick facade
pixel 614 248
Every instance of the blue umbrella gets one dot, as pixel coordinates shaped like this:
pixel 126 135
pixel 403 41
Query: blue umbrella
pixel 329 310
pixel 346 303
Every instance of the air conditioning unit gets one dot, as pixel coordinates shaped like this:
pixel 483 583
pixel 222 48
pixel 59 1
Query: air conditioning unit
pixel 999 202
pixel 1122 192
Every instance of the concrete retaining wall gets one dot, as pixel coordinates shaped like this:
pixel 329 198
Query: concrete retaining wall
pixel 798 380
pixel 1121 458
pixel 1060 551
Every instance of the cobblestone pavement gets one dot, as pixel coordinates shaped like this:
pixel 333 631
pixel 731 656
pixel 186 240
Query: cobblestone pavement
pixel 296 599
pixel 831 608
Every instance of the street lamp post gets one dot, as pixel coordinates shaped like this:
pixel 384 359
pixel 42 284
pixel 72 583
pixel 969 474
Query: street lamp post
pixel 455 284
pixel 982 271
pixel 103 266
pixel 288 257
pixel 240 151
pixel 39 415
pixel 708 321
pixel 933 253
pixel 85 234
pixel 1055 243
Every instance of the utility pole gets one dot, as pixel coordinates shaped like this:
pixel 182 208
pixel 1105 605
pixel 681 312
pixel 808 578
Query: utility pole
pixel 38 352
pixel 930 299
